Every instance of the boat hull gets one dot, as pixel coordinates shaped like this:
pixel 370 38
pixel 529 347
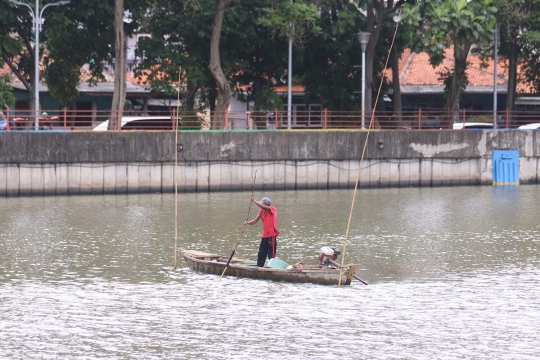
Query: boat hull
pixel 215 264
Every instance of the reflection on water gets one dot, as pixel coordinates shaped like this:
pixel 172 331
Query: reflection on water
pixel 453 273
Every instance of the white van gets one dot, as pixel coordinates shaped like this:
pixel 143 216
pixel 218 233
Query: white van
pixel 141 123
pixel 534 126
pixel 473 125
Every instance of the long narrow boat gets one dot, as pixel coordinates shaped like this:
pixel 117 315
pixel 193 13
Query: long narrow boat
pixel 298 273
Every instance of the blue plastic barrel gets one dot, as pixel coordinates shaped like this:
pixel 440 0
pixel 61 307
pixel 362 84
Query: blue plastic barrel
pixel 505 168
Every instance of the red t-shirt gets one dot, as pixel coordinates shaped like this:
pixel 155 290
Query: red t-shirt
pixel 269 219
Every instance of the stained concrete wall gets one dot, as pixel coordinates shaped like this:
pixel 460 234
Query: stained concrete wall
pixel 35 164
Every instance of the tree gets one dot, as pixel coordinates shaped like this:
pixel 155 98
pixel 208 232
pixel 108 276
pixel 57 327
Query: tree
pixel 17 44
pixel 223 86
pixel 295 21
pixel 177 47
pixel 530 54
pixel 436 24
pixel 251 59
pixel 379 15
pixel 119 92
pixel 72 35
pixel 520 40
pixel 327 65
pixel 82 35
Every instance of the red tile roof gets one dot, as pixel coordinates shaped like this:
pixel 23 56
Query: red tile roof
pixel 294 88
pixel 415 69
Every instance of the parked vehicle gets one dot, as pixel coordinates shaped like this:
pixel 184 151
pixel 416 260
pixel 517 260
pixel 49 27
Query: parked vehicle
pixel 141 123
pixel 533 126
pixel 472 126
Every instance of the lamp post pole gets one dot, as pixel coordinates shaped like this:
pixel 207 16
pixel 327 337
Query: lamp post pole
pixel 363 38
pixel 495 47
pixel 36 22
pixel 289 87
pixel 289 76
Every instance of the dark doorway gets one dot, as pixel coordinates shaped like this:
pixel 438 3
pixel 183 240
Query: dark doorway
pixel 83 114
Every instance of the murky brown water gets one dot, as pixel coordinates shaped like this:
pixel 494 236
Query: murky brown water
pixel 453 274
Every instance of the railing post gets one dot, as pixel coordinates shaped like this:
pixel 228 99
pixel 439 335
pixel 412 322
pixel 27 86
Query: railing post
pixel 120 119
pixel 463 118
pixel 173 118
pixel 225 117
pixel 276 119
pixel 7 117
pixel 507 120
pixel 65 119
pixel 325 118
pixel 420 119
pixel 249 120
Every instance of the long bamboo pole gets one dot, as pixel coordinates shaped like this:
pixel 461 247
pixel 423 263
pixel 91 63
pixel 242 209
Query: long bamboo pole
pixel 243 228
pixel 360 163
pixel 176 174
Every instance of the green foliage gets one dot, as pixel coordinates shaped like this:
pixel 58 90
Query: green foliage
pixel 304 17
pixel 445 76
pixel 73 35
pixel 434 25
pixel 7 98
pixel 527 25
pixel 268 101
pixel 178 47
pixel 180 43
pixel 330 64
pixel 16 50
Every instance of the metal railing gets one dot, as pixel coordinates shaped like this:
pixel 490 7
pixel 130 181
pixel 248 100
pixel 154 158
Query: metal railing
pixel 96 120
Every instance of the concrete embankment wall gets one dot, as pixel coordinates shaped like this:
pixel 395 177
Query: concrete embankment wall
pixel 49 163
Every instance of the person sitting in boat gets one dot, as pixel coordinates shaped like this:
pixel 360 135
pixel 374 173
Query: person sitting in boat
pixel 268 214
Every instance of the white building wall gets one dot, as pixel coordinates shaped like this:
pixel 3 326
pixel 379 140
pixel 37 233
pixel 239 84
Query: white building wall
pixel 237 117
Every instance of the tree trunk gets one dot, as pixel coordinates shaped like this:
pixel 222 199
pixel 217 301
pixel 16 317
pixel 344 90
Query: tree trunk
pixel 454 92
pixel 119 93
pixel 190 97
pixel 512 80
pixel 375 15
pixel 397 89
pixel 224 88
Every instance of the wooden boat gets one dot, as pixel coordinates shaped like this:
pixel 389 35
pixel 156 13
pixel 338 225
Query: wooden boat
pixel 298 273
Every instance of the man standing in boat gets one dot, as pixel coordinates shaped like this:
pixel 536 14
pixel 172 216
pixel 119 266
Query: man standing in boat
pixel 268 214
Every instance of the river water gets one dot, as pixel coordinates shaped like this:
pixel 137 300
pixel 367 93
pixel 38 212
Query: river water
pixel 453 273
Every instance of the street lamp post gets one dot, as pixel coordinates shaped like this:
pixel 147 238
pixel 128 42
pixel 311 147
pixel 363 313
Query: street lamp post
pixel 37 21
pixel 289 86
pixel 496 43
pixel 363 37
pixel 289 76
